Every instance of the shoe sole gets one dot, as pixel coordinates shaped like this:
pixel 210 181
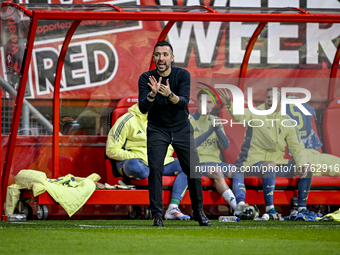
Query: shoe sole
pixel 177 219
pixel 206 225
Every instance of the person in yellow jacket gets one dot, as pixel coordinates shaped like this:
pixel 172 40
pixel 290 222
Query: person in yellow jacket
pixel 264 148
pixel 126 144
pixel 321 164
pixel 209 140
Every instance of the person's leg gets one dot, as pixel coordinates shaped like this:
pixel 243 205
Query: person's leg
pixel 239 188
pixel 135 169
pixel 119 165
pixel 178 191
pixel 266 169
pixel 270 172
pixel 184 145
pixel 243 210
pixel 304 184
pixel 214 171
pixel 181 182
pixel 157 143
pixel 188 159
pixel 268 183
pixel 303 190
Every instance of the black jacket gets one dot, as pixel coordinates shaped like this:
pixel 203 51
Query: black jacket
pixel 161 112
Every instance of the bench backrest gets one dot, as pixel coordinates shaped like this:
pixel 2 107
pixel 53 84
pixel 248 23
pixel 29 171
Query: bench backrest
pixel 122 107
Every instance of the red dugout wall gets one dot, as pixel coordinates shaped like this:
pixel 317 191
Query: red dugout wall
pixel 105 58
pixel 213 50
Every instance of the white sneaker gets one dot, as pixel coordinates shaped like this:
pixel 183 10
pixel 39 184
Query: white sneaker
pixel 273 215
pixel 246 212
pixel 294 212
pixel 175 214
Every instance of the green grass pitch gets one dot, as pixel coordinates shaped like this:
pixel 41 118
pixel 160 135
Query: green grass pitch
pixel 176 237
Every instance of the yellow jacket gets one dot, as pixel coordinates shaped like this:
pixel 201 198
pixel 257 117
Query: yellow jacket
pixel 127 138
pixel 270 136
pixel 69 191
pixel 323 164
pixel 209 148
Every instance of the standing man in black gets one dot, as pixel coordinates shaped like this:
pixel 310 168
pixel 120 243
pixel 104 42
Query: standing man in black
pixel 164 93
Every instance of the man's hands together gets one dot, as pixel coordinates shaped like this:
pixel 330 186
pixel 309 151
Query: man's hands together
pixel 158 87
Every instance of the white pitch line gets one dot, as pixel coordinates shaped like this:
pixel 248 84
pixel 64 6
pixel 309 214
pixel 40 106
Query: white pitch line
pixel 91 226
pixel 22 222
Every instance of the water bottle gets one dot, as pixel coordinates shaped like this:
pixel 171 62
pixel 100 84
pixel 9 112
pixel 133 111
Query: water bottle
pixel 16 217
pixel 228 219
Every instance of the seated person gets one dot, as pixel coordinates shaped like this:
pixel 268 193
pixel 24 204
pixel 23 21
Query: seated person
pixel 208 141
pixel 262 153
pixel 321 163
pixel 126 144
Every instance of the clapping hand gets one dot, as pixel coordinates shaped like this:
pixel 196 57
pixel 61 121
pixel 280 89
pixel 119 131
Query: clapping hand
pixel 154 85
pixel 164 90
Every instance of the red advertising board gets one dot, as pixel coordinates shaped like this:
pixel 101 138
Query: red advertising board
pixel 105 57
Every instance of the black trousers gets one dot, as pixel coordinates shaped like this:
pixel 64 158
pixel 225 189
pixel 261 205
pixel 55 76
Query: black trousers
pixel 184 145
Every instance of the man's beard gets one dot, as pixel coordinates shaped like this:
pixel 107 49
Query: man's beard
pixel 166 68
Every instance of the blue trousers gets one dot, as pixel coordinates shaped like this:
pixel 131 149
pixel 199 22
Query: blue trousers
pixel 288 170
pixel 136 169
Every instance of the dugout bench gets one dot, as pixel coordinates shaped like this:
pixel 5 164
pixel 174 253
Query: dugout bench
pixel 325 190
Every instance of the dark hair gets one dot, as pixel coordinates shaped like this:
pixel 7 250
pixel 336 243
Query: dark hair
pixel 201 92
pixel 164 43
